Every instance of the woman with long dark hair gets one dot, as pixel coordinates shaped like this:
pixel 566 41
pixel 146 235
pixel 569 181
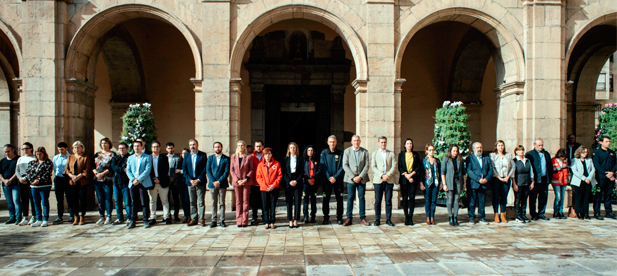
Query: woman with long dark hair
pixel 560 181
pixel 410 169
pixel 39 176
pixel 312 173
pixel 453 180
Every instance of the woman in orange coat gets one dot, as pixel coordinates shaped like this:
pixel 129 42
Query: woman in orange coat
pixel 560 181
pixel 269 176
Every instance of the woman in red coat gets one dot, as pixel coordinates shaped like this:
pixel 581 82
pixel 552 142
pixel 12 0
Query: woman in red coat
pixel 242 174
pixel 269 176
pixel 560 181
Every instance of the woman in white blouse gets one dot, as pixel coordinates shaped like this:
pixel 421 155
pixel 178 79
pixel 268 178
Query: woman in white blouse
pixel 503 170
pixel 583 179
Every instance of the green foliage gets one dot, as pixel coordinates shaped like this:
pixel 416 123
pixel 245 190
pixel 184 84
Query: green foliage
pixel 451 127
pixel 138 121
pixel 608 124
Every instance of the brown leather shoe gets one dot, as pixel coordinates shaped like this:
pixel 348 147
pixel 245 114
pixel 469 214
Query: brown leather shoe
pixel 365 223
pixel 503 218
pixel 76 220
pixel 82 220
pixel 432 220
pixel 192 223
pixel 267 226
pixel 347 222
pixel 428 221
pixel 272 226
pixel 202 223
pixel 497 218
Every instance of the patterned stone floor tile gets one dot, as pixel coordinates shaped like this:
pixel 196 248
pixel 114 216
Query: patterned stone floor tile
pixel 326 270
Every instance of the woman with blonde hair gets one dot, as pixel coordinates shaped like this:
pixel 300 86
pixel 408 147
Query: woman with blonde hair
pixel 293 175
pixel 242 176
pixel 39 176
pixel 78 169
pixel 583 179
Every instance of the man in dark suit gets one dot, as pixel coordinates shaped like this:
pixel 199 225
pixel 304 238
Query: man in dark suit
pixel 543 170
pixel 160 179
pixel 332 160
pixel 194 168
pixel 571 147
pixel 606 169
pixel 217 170
pixel 480 172
pixel 121 185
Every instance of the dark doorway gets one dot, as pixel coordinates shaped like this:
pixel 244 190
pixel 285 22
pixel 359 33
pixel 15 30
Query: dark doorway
pixel 299 114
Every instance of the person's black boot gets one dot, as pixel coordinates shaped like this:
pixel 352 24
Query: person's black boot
pixel 451 220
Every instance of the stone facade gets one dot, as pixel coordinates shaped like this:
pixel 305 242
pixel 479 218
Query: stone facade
pixel 50 51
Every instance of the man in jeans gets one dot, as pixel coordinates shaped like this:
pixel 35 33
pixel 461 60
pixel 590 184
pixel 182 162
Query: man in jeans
pixel 61 181
pixel 356 166
pixel 122 192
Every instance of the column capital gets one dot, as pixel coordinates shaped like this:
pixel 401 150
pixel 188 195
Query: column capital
pixel 235 85
pixel 398 84
pixel 18 84
pixel 360 86
pixel 198 83
pixel 510 88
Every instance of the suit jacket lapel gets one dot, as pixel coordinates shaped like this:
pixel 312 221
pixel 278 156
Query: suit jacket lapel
pixel 405 161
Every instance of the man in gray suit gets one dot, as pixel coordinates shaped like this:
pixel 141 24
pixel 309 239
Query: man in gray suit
pixel 356 165
pixel 384 167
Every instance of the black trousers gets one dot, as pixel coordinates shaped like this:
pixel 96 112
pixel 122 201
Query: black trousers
pixel 409 198
pixel 310 196
pixel 269 200
pixel 607 188
pixel 581 198
pixel 293 198
pixel 78 199
pixel 255 202
pixel 539 193
pixel 144 199
pixel 379 194
pixel 520 201
pixel 26 196
pixel 337 189
pixel 62 188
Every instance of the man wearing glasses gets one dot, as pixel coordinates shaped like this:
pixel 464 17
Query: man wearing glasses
pixel 24 186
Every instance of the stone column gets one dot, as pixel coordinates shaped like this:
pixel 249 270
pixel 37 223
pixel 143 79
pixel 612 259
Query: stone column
pixel 213 106
pixel 118 109
pixel 43 23
pixel 79 116
pixel 235 95
pixel 258 111
pixel 509 123
pixel 544 108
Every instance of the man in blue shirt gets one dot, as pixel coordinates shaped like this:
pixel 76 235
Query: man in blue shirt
pixel 61 181
pixel 543 170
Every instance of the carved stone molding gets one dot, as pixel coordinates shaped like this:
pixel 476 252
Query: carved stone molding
pixel 360 86
pixel 511 88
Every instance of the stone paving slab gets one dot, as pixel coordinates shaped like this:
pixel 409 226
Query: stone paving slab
pixel 555 247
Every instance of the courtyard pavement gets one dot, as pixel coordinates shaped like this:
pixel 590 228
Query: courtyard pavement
pixel 555 247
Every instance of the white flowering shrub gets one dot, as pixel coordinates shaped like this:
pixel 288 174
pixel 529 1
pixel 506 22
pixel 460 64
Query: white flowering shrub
pixel 138 121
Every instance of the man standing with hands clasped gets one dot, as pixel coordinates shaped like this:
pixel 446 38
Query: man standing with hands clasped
pixel 194 168
pixel 606 168
pixel 384 166
pixel 356 165
pixel 332 159
pixel 480 171
pixel 218 171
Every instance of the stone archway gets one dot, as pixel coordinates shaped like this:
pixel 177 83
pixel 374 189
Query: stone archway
pixel 82 56
pixel 10 86
pixel 242 44
pixel 507 55
pixel 586 54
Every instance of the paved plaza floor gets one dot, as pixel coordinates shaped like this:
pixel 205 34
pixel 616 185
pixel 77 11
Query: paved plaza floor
pixel 555 247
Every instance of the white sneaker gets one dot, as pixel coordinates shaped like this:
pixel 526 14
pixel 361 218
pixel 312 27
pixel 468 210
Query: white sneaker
pixel 108 221
pixel 44 224
pixel 100 221
pixel 36 224
pixel 24 222
pixel 32 220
